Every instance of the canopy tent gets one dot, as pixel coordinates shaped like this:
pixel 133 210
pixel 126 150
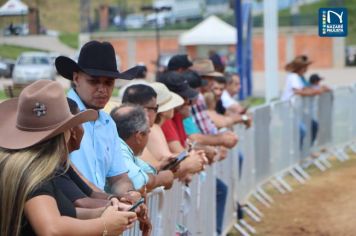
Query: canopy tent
pixel 13 8
pixel 212 31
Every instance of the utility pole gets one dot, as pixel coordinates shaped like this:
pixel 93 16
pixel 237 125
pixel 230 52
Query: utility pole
pixel 84 16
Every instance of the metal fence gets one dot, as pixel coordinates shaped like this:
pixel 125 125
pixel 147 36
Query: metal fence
pixel 278 144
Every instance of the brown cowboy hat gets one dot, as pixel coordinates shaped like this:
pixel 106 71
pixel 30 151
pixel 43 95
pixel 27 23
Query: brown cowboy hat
pixel 38 114
pixel 205 67
pixel 95 59
pixel 298 63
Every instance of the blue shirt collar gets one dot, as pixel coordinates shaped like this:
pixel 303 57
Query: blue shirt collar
pixel 102 117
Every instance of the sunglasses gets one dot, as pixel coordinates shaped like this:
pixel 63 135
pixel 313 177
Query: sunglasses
pixel 155 109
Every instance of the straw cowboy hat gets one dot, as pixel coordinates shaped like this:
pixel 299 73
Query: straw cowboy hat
pixel 38 114
pixel 166 99
pixel 205 67
pixel 95 59
pixel 298 63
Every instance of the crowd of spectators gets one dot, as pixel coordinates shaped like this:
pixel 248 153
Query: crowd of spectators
pixel 161 132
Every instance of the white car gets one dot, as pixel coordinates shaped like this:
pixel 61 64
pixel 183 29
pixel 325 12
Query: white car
pixel 32 66
pixel 134 21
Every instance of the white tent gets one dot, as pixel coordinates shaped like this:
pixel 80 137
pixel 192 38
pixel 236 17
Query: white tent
pixel 13 8
pixel 212 31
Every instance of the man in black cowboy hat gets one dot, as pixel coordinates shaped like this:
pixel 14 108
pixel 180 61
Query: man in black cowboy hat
pixel 93 78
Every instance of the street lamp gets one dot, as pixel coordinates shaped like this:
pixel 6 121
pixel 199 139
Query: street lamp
pixel 157 10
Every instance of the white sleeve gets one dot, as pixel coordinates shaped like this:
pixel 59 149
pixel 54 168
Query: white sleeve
pixel 227 100
pixel 295 81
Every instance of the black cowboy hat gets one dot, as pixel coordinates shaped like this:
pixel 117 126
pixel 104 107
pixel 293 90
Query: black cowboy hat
pixel 95 59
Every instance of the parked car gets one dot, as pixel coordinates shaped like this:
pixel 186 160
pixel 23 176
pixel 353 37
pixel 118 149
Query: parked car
pixel 32 66
pixel 134 21
pixel 6 67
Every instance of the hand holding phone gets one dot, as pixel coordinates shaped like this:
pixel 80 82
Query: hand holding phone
pixel 181 157
pixel 137 204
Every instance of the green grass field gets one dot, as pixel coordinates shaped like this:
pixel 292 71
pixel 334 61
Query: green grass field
pixel 69 39
pixel 2 95
pixel 12 51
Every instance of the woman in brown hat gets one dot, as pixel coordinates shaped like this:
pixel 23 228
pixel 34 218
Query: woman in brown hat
pixel 296 84
pixel 34 131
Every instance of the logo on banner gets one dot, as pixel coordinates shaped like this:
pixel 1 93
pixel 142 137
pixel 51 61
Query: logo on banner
pixel 332 22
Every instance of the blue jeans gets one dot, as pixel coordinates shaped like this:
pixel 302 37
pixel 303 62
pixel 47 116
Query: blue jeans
pixel 303 130
pixel 221 195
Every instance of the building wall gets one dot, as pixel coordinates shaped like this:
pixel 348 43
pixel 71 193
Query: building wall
pixel 141 47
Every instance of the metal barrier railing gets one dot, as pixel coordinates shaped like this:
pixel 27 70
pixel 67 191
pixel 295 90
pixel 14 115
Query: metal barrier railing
pixel 277 143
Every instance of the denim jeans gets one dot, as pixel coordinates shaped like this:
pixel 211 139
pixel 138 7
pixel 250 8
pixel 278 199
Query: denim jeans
pixel 221 195
pixel 303 131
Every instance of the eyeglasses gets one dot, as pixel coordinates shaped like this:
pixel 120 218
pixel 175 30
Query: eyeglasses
pixel 155 109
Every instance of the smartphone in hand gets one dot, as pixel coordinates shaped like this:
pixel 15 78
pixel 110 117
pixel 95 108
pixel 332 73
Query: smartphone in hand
pixel 137 204
pixel 181 157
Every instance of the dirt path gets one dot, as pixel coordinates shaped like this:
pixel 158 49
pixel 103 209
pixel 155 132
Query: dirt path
pixel 325 205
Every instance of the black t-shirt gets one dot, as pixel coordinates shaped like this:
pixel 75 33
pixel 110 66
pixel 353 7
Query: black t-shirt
pixel 219 108
pixel 50 188
pixel 72 185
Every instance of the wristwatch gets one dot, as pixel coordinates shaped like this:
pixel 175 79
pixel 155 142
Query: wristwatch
pixel 244 118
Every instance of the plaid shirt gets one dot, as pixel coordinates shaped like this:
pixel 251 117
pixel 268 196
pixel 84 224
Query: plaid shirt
pixel 201 118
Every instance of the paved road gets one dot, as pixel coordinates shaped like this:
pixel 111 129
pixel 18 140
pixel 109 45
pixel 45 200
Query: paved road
pixel 44 42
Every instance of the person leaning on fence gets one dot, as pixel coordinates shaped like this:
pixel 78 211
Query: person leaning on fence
pixel 167 117
pixel 147 97
pixel 296 84
pixel 232 89
pixel 72 184
pixel 133 127
pixel 93 79
pixel 315 80
pixel 207 72
pixel 177 82
pixel 34 132
pixel 99 157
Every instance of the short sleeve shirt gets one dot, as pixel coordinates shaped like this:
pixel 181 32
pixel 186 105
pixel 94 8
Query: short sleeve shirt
pixel 50 188
pixel 169 131
pixel 72 185
pixel 227 100
pixel 293 81
pixel 190 127
pixel 137 175
pixel 201 117
pixel 173 129
pixel 99 155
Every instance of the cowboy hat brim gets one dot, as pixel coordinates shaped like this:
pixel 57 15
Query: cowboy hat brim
pixel 173 102
pixel 15 138
pixel 66 66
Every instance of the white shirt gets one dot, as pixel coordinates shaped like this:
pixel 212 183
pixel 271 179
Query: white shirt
pixel 293 81
pixel 227 100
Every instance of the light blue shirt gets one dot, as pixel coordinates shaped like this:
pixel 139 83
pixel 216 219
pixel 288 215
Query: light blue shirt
pixel 137 167
pixel 99 155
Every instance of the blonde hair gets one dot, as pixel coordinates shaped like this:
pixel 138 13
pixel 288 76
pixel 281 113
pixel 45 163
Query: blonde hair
pixel 21 172
pixel 210 100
